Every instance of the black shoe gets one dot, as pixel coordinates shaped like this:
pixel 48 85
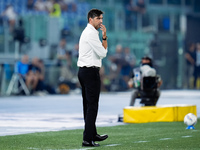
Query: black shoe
pixel 92 143
pixel 100 137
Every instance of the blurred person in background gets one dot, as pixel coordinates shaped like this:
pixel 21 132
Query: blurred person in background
pixel 66 69
pixel 132 8
pixel 197 66
pixel 45 86
pixel 39 5
pixel 36 76
pixel 21 69
pixel 140 6
pixel 145 68
pixel 130 16
pixel 30 4
pixel 49 5
pixel 190 56
pixel 22 66
pixel 116 60
pixel 32 77
pixel 19 34
pixel 56 10
pixel 119 70
pixel 68 5
pixel 67 80
pixel 61 52
pixel 11 16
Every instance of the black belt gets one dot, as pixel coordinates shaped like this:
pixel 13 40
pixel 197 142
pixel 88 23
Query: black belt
pixel 91 67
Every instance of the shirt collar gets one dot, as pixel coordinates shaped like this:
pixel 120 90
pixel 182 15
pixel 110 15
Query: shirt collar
pixel 91 27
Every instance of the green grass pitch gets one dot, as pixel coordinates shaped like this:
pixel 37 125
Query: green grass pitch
pixel 146 136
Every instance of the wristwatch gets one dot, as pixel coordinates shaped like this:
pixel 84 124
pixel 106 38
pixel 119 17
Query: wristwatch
pixel 105 38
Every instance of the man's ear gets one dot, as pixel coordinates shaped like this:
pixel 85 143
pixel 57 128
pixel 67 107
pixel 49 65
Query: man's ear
pixel 90 19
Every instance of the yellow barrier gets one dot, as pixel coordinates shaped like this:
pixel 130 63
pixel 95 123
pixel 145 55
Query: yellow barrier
pixel 165 113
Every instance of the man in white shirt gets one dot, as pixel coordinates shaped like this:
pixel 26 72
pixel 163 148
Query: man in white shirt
pixel 91 53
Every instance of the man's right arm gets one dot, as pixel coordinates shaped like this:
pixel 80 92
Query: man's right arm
pixel 96 44
pixel 104 38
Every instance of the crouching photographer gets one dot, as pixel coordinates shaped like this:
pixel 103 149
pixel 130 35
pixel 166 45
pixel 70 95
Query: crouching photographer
pixel 146 83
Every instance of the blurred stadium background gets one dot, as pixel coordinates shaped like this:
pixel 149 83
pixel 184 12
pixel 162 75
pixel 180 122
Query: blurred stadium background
pixel 171 24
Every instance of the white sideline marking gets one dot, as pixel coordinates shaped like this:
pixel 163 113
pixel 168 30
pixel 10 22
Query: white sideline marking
pixel 141 141
pixel 186 136
pixel 58 149
pixel 85 148
pixel 195 130
pixel 72 149
pixel 165 139
pixel 113 145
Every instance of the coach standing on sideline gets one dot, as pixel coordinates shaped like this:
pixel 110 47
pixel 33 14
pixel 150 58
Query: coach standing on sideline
pixel 91 53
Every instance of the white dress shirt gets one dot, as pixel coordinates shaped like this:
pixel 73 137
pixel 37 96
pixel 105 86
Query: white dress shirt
pixel 91 50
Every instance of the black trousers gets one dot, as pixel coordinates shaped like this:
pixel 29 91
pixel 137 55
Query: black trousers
pixel 89 79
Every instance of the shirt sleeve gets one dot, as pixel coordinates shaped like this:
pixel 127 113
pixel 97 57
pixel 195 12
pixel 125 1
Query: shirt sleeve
pixel 95 43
